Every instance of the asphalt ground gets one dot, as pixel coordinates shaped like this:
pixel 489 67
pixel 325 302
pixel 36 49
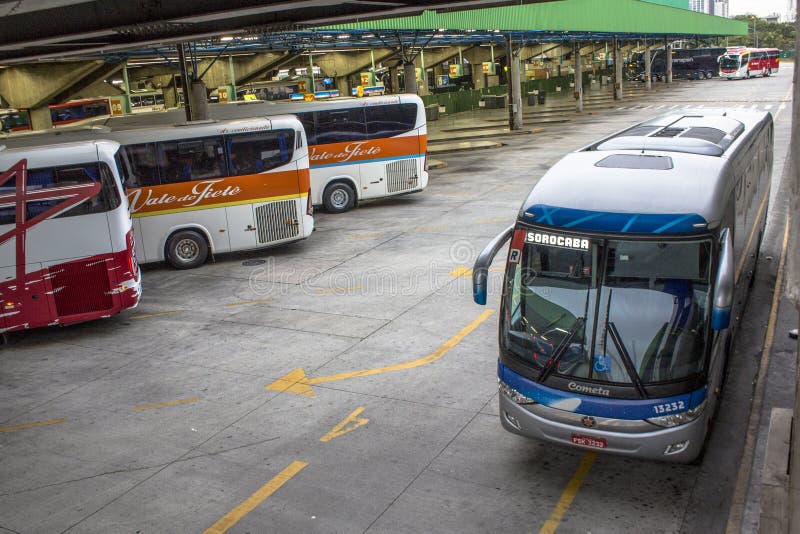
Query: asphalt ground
pixel 191 414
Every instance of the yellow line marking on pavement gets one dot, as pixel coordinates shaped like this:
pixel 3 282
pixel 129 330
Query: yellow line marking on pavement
pixel 746 466
pixel 463 270
pixel 348 424
pixel 151 315
pixel 787 98
pixel 298 383
pixel 233 517
pixel 246 302
pixel 573 486
pixel 338 290
pixel 163 404
pixel 431 228
pixel 31 425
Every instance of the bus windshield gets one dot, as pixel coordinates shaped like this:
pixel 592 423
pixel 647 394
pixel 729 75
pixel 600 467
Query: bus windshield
pixel 618 311
pixel 729 62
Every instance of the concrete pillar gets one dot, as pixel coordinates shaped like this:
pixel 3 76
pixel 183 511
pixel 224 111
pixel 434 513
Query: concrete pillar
pixel 578 79
pixel 617 52
pixel 394 79
pixel 343 86
pixel 41 118
pixel 648 68
pixel 514 88
pixel 410 78
pixel 170 95
pixel 668 62
pixel 198 99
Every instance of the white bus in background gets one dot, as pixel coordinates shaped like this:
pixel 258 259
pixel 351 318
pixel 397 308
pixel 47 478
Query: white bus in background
pixel 66 237
pixel 208 187
pixel 359 148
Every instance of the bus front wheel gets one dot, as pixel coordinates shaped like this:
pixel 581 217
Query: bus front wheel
pixel 339 197
pixel 186 250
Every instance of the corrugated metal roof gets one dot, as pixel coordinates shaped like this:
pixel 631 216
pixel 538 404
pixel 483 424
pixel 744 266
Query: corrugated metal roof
pixel 597 16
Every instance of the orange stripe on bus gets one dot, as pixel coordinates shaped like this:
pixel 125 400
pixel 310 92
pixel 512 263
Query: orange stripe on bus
pixel 356 151
pixel 197 194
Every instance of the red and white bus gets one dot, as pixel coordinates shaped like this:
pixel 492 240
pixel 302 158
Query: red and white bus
pixel 79 111
pixel 66 237
pixel 738 63
pixel 206 187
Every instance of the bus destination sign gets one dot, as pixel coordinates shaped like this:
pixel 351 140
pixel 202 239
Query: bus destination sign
pixel 541 238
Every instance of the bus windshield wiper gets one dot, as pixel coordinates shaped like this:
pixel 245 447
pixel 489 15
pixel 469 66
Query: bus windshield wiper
pixel 560 350
pixel 610 328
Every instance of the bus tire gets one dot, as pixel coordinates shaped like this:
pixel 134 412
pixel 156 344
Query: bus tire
pixel 186 249
pixel 339 197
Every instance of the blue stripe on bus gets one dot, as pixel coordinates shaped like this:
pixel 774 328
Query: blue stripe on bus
pixel 353 162
pixel 600 406
pixel 640 223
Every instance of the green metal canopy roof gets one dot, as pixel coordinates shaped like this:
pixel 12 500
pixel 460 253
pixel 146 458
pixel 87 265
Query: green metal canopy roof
pixel 573 16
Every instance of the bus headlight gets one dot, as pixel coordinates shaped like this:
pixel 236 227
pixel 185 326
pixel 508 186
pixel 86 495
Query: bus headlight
pixel 677 419
pixel 513 394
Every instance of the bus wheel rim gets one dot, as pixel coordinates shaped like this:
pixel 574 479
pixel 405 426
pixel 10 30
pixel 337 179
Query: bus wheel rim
pixel 187 250
pixel 339 198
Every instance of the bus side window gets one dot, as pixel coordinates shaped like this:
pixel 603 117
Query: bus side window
pixel 143 165
pixel 307 119
pixel 195 159
pixel 340 126
pixel 254 153
pixel 390 120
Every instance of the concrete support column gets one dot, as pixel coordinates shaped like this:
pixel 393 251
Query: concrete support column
pixel 648 69
pixel 410 78
pixel 343 86
pixel 514 88
pixel 40 118
pixel 668 62
pixel 170 95
pixel 394 79
pixel 617 52
pixel 578 79
pixel 198 100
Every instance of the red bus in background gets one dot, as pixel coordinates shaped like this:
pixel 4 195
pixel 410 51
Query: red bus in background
pixel 79 110
pixel 738 63
pixel 66 237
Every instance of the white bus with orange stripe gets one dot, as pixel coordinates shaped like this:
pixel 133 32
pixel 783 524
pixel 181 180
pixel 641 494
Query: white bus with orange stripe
pixel 359 148
pixel 208 187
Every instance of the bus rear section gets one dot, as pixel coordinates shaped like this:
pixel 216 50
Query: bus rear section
pixel 66 239
pixel 198 189
pixel 359 148
pixel 625 277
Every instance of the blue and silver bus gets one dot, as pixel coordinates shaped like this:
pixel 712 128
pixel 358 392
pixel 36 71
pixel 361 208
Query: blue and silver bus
pixel 627 273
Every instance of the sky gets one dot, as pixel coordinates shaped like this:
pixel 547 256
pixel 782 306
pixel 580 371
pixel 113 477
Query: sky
pixel 760 8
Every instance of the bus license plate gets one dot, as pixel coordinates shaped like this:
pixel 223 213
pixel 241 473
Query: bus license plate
pixel 588 441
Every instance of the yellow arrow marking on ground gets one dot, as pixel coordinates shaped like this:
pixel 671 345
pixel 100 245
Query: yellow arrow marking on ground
pixel 348 424
pixel 298 383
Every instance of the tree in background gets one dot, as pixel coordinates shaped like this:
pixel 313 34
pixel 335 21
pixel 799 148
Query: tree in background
pixel 770 34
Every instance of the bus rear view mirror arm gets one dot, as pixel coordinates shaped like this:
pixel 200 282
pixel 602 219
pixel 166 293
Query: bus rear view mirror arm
pixel 723 287
pixel 480 271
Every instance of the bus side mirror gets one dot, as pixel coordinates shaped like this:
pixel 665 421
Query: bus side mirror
pixel 480 271
pixel 723 286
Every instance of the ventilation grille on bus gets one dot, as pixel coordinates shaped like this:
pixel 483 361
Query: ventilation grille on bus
pixel 81 287
pixel 401 175
pixel 277 220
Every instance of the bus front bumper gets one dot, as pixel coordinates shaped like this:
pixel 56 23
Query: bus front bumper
pixel 677 444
